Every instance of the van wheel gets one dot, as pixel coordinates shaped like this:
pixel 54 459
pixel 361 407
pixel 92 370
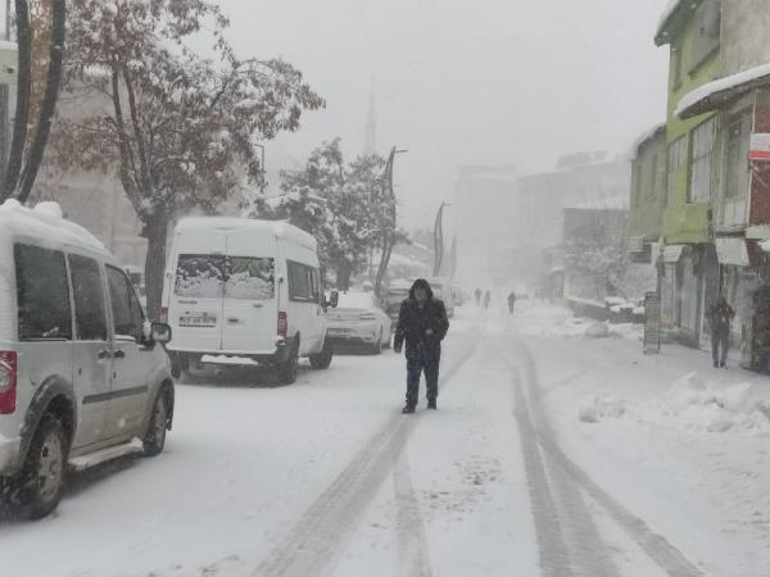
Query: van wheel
pixel 40 485
pixel 287 371
pixel 323 360
pixel 155 439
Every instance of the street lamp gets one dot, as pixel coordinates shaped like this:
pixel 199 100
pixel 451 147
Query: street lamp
pixel 438 239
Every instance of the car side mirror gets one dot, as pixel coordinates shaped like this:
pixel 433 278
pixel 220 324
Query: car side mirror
pixel 334 299
pixel 160 333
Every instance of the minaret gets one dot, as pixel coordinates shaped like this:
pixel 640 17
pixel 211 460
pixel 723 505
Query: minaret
pixel 370 134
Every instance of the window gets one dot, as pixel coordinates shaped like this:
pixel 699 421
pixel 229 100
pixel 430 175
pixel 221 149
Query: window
pixel 126 310
pixel 707 31
pixel 638 185
pixel 43 294
pixel 653 177
pixel 702 161
pixel 249 278
pixel 676 65
pixel 738 168
pixel 677 152
pixel 303 283
pixel 200 276
pixel 88 292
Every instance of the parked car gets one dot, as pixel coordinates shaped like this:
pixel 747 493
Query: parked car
pixel 442 290
pixel 397 293
pixel 82 373
pixel 246 289
pixel 359 320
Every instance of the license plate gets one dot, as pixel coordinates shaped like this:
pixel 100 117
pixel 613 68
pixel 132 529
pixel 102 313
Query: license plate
pixel 339 332
pixel 203 321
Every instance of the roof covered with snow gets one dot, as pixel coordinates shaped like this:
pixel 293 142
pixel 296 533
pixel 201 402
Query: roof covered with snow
pixel 279 229
pixel 646 137
pixel 713 94
pixel 669 18
pixel 47 223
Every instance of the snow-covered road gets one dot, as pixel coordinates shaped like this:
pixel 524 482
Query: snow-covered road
pixel 550 454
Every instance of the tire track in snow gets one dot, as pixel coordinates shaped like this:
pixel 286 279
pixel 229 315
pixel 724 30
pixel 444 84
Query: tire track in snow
pixel 657 547
pixel 413 552
pixel 313 544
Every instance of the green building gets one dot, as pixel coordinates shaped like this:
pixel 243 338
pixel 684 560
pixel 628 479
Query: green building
pixel 690 279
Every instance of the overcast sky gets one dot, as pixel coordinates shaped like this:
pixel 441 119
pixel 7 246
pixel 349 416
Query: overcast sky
pixel 457 82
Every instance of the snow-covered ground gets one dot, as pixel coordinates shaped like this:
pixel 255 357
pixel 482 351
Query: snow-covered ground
pixel 551 453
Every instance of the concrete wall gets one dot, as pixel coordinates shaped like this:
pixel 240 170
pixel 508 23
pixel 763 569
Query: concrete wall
pixel 745 32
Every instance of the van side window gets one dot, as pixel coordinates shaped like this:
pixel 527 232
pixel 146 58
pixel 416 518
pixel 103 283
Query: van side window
pixel 43 294
pixel 126 311
pixel 302 286
pixel 88 290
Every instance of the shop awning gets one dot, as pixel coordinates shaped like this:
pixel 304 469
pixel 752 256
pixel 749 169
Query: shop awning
pixel 672 253
pixel 732 251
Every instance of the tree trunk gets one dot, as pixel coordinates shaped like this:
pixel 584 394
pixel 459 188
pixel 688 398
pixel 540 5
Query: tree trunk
pixel 156 232
pixel 48 106
pixel 343 277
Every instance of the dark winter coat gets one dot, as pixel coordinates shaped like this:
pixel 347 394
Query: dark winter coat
pixel 413 323
pixel 721 315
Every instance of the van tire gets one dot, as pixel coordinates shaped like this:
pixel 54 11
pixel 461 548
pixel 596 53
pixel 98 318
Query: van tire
pixel 155 438
pixel 287 371
pixel 36 494
pixel 323 360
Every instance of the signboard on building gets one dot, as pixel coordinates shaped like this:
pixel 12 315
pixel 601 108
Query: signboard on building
pixel 652 323
pixel 760 146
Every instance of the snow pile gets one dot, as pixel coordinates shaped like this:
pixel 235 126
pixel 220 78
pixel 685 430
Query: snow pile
pixel 598 331
pixel 602 406
pixel 696 405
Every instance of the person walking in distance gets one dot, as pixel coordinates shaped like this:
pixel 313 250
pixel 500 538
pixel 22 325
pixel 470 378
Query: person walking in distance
pixel 721 316
pixel 511 302
pixel 477 292
pixel 422 325
pixel 487 298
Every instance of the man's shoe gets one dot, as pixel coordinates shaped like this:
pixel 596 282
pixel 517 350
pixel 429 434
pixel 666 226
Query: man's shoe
pixel 723 365
pixel 432 404
pixel 716 365
pixel 407 410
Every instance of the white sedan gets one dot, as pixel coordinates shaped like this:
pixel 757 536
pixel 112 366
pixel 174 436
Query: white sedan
pixel 359 320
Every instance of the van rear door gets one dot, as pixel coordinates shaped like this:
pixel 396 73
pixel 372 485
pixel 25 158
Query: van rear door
pixel 196 292
pixel 250 310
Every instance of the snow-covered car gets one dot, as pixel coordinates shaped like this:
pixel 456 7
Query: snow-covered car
pixel 83 375
pixel 359 320
pixel 246 290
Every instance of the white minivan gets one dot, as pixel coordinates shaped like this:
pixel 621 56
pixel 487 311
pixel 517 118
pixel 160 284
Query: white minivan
pixel 84 378
pixel 248 290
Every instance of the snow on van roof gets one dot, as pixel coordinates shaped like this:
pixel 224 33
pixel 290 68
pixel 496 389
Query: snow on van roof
pixel 279 229
pixel 46 221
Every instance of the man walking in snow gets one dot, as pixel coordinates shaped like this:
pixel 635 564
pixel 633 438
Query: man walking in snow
pixel 721 315
pixel 478 297
pixel 487 298
pixel 422 325
pixel 511 302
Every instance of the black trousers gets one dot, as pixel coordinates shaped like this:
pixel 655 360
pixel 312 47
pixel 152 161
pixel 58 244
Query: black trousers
pixel 720 338
pixel 414 370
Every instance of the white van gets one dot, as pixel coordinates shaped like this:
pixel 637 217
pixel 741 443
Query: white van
pixel 246 289
pixel 83 376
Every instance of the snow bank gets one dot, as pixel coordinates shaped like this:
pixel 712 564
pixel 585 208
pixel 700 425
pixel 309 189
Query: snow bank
pixel 598 331
pixel 602 406
pixel 697 405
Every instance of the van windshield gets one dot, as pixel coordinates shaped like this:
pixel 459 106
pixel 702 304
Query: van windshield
pixel 217 276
